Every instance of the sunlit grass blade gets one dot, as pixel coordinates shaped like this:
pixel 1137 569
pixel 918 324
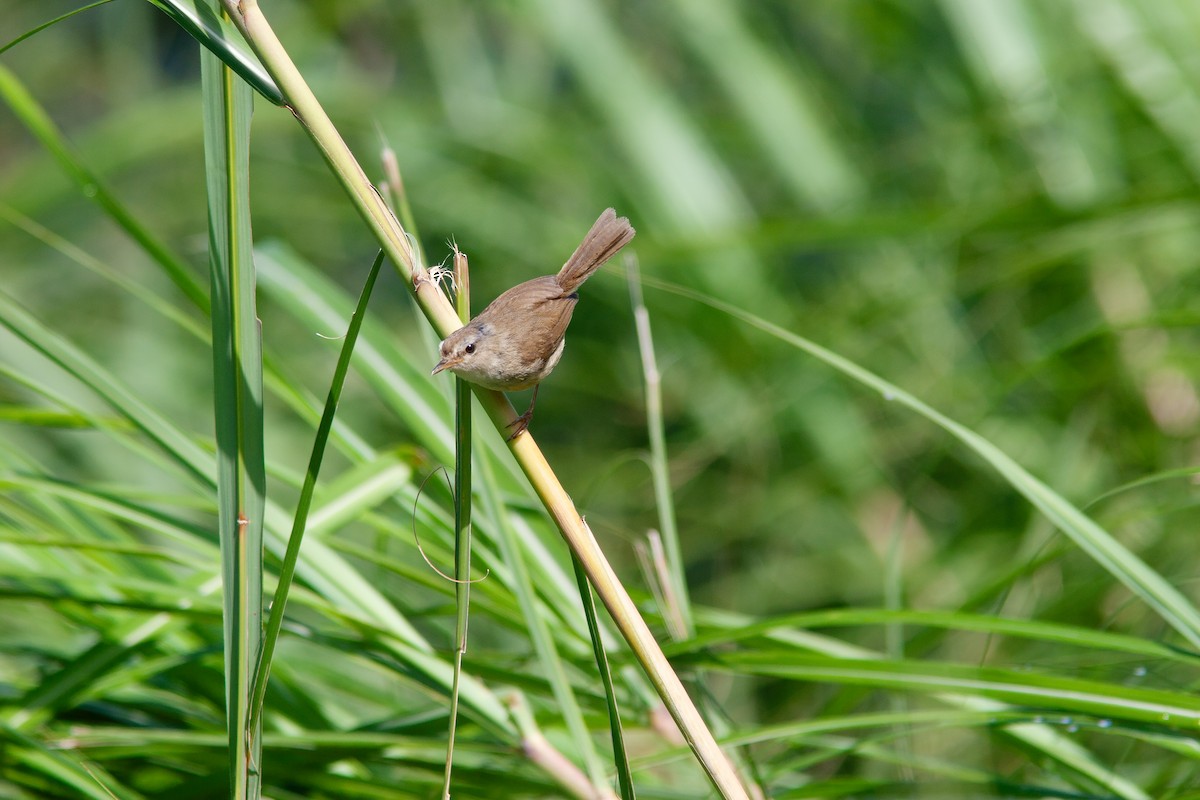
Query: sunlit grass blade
pixel 88 261
pixel 678 171
pixel 463 503
pixel 1027 688
pixel 84 780
pixel 1149 61
pixel 287 569
pixel 773 99
pixel 677 593
pixel 36 30
pixel 1066 635
pixel 237 399
pixel 31 114
pixel 616 729
pixel 86 671
pixel 318 303
pixel 174 443
pixel 1114 557
pixel 536 622
pixel 1002 43
pixel 278 384
pixel 322 569
pixel 215 33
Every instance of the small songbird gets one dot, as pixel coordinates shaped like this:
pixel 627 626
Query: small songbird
pixel 518 339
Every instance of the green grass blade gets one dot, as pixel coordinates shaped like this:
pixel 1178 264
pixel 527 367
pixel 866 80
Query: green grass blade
pixel 1114 557
pixel 1026 688
pixel 174 443
pixel 220 37
pixel 38 122
pixel 620 754
pixel 238 387
pixel 287 571
pixel 84 780
pixel 772 98
pixel 463 501
pixel 679 606
pixel 537 622
pixel 55 21
pixel 744 630
pixel 318 303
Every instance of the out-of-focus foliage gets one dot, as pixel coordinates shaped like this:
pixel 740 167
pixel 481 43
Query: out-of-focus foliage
pixel 991 203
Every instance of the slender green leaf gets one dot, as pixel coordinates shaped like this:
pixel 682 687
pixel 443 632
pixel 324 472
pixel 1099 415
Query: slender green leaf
pixel 214 32
pixel 237 395
pixel 1114 557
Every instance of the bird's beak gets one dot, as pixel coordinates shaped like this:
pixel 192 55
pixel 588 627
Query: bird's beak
pixel 441 365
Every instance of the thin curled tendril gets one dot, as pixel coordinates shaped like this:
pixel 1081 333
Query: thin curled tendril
pixel 417 538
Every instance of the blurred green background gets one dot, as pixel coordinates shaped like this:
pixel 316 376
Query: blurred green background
pixel 993 204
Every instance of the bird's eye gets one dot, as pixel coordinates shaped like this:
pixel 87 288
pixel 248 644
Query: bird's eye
pixel 470 349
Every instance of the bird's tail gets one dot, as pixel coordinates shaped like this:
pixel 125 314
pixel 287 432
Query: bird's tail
pixel 607 236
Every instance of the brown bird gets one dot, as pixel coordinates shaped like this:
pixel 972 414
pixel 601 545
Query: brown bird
pixel 518 339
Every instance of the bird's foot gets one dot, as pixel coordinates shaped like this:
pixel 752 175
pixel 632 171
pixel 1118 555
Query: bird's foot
pixel 519 425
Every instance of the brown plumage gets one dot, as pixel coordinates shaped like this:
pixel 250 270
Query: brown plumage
pixel 518 339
